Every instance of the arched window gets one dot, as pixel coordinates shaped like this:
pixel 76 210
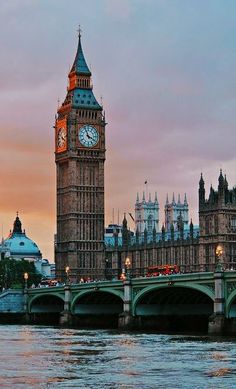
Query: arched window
pixel 150 224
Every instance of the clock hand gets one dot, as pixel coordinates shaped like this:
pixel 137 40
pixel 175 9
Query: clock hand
pixel 88 135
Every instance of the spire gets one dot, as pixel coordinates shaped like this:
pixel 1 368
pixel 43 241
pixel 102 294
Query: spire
pixel 191 228
pixel 185 199
pixel 167 199
pixel 226 182
pixel 201 182
pixel 201 192
pixel 178 198
pixel 150 199
pixel 143 196
pixel 156 201
pixel 163 231
pixel 221 180
pixel 17 225
pixel 124 222
pixel 80 66
pixel 173 199
pixel 137 198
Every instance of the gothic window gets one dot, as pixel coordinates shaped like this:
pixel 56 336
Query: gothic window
pixel 167 256
pixel 207 253
pixel 150 224
pixel 216 224
pixel 233 224
pixel 233 252
pixel 207 225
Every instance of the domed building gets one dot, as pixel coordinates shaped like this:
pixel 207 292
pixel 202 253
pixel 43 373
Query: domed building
pixel 19 246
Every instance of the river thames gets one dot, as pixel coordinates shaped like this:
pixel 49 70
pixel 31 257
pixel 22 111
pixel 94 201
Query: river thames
pixel 43 357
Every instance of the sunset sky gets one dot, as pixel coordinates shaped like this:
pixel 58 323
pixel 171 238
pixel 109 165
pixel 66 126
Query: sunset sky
pixel 166 72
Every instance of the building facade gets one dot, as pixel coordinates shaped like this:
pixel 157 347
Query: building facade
pixel 192 248
pixel 80 156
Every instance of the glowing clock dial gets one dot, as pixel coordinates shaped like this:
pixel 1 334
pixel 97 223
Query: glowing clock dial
pixel 61 137
pixel 88 136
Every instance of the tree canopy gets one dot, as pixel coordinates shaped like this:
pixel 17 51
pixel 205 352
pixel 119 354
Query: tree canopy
pixel 12 273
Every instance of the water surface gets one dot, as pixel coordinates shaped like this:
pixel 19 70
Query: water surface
pixel 47 357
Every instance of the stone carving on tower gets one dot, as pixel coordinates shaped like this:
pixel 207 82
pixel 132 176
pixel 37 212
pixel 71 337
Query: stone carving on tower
pixel 80 156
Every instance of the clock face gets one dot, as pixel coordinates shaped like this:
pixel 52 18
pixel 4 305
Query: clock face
pixel 88 136
pixel 61 137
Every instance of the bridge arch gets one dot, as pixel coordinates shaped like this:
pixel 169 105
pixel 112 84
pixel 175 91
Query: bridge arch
pixel 202 289
pixel 97 301
pixel 46 303
pixel 180 307
pixel 231 305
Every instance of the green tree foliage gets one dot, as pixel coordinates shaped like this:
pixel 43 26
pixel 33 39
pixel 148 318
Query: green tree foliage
pixel 12 273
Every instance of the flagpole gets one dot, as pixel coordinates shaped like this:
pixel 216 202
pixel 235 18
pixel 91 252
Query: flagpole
pixel 146 187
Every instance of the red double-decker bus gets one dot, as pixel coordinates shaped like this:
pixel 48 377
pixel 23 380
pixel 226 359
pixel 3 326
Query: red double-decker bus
pixel 154 271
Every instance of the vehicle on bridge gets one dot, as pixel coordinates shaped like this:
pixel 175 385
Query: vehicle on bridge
pixel 49 282
pixel 155 271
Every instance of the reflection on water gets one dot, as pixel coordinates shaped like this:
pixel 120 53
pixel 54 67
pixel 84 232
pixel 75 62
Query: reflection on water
pixel 46 357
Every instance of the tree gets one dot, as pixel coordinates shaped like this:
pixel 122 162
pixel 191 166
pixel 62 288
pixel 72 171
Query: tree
pixel 12 273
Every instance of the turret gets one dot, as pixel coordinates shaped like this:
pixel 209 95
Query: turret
pixel 191 229
pixel 163 231
pixel 201 192
pixel 221 188
pixel 172 231
pixel 125 232
pixel 154 235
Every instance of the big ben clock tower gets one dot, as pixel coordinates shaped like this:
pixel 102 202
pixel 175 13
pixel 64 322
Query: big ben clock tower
pixel 80 157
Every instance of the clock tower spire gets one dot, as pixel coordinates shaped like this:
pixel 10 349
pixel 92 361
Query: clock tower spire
pixel 80 157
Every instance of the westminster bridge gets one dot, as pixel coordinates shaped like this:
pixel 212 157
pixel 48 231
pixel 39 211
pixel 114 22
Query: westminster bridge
pixel 195 301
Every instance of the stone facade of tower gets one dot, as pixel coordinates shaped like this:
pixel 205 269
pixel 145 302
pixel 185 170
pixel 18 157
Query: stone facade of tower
pixel 80 155
pixel 176 213
pixel 146 214
pixel 217 221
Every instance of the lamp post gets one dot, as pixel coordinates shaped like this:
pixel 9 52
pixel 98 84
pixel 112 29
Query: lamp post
pixel 26 276
pixel 219 253
pixel 127 267
pixel 67 269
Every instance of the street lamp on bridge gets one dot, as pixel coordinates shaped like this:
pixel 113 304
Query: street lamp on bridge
pixel 127 268
pixel 67 269
pixel 219 253
pixel 26 276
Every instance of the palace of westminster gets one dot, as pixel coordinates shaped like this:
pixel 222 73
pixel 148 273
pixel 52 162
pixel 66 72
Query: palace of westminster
pixel 80 128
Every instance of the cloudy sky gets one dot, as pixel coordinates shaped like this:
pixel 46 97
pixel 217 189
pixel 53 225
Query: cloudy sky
pixel 166 72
